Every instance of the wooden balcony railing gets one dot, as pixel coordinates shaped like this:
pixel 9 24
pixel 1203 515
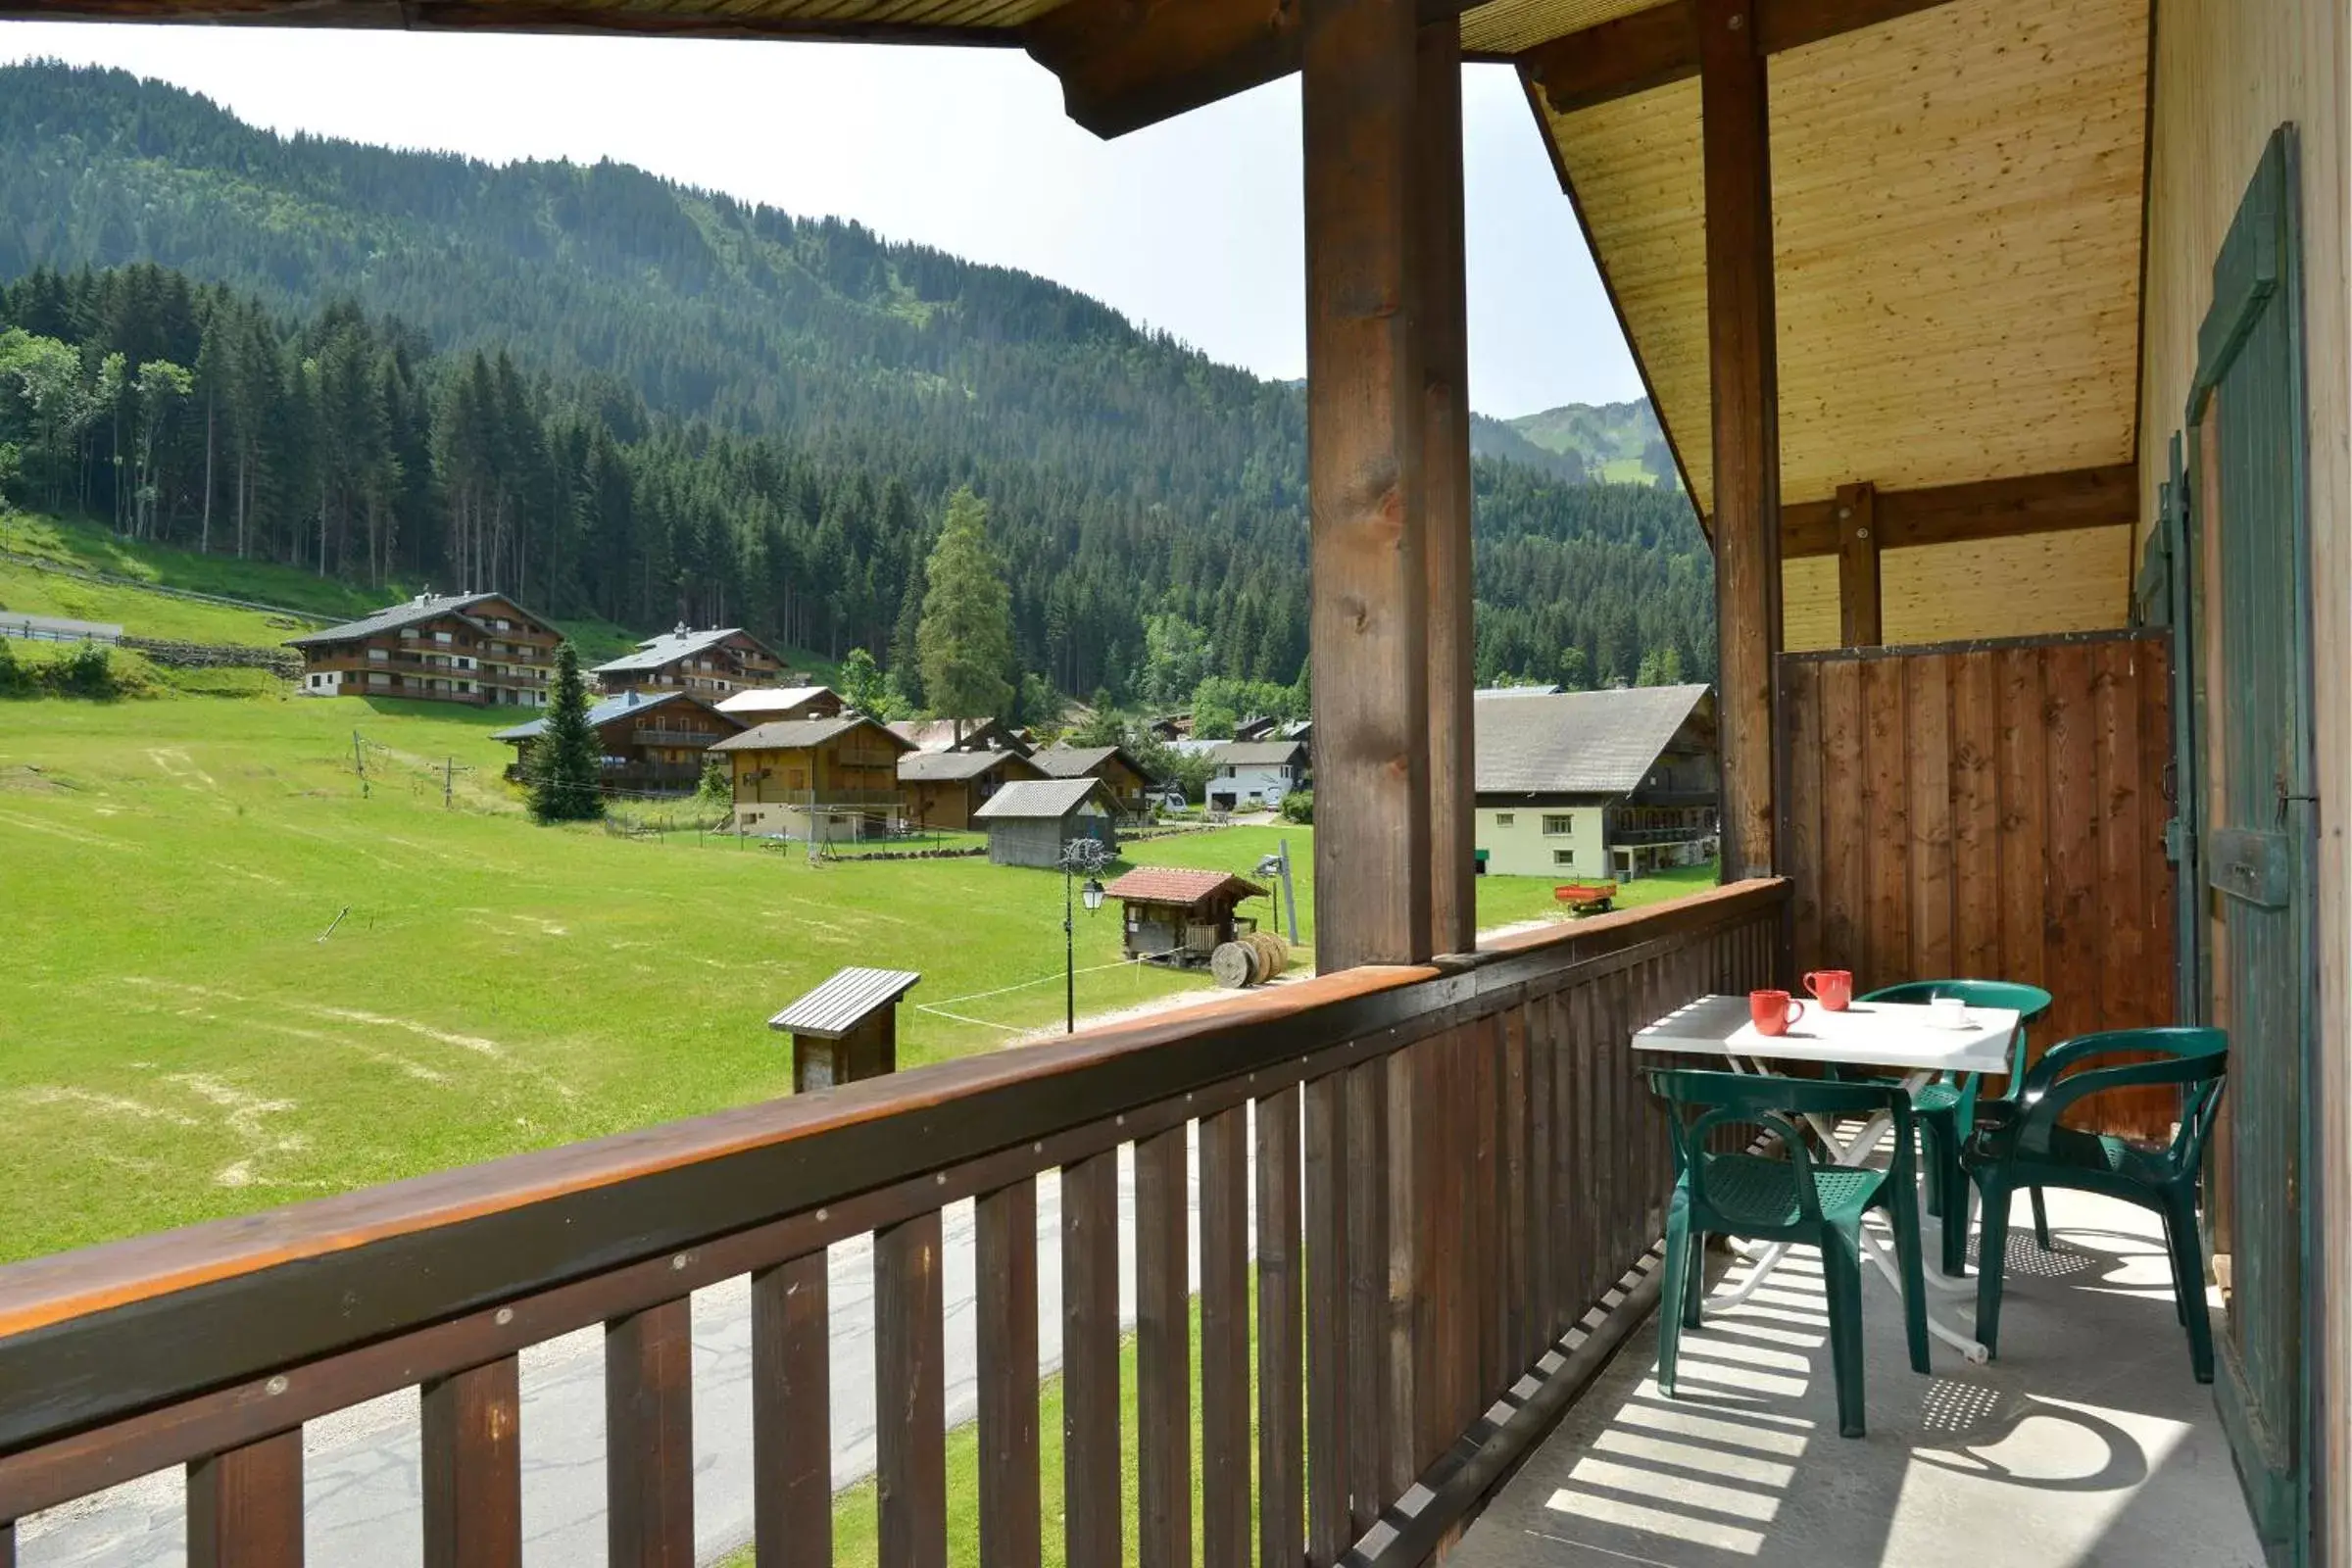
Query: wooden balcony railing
pixel 1444 1166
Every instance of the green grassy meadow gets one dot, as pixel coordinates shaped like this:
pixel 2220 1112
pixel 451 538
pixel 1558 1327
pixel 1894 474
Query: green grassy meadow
pixel 176 1041
pixel 182 1036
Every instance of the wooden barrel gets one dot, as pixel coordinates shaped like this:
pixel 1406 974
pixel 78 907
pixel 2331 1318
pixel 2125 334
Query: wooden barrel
pixel 1233 965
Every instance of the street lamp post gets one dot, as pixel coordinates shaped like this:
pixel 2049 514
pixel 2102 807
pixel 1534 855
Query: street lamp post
pixel 1086 856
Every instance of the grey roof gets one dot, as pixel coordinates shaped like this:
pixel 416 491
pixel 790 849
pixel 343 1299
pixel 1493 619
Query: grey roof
pixel 844 1002
pixel 1578 743
pixel 1516 691
pixel 424 606
pixel 1255 754
pixel 602 714
pixel 669 648
pixel 922 767
pixel 1076 761
pixel 796 734
pixel 1038 800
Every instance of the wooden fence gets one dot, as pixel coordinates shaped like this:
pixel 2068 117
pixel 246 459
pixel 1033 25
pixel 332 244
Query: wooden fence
pixel 1993 810
pixel 1444 1166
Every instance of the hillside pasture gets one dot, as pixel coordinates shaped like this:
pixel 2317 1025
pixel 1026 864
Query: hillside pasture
pixel 182 1038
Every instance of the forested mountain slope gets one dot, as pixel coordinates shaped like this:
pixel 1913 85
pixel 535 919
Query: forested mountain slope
pixel 619 396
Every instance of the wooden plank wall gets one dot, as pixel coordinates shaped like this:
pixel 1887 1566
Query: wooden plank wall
pixel 1990 811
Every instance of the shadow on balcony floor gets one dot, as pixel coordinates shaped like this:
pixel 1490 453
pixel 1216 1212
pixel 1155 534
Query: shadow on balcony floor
pixel 2087 1442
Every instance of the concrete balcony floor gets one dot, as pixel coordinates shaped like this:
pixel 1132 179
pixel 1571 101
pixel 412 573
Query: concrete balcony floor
pixel 2088 1441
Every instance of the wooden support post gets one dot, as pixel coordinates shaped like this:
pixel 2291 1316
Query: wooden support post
pixel 1859 624
pixel 1368 620
pixel 1441 314
pixel 1744 370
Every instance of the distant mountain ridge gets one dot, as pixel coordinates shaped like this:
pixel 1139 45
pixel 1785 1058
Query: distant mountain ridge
pixel 787 402
pixel 1613 442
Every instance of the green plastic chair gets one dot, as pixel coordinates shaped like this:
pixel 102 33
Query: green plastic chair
pixel 1946 1107
pixel 1794 1199
pixel 2020 1144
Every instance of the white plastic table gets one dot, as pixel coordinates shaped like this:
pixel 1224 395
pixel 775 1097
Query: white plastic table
pixel 1904 1038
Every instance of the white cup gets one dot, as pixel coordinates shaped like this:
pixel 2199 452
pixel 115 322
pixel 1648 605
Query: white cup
pixel 1948 1012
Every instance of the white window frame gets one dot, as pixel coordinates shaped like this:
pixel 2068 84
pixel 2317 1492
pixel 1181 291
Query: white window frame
pixel 1567 827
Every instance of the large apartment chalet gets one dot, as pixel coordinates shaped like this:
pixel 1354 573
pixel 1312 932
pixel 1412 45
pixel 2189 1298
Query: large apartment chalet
pixel 482 649
pixel 1595 784
pixel 711 662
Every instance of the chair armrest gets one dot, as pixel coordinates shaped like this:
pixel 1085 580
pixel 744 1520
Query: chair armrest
pixel 2040 1107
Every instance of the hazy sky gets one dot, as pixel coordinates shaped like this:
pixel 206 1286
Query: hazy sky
pixel 1191 225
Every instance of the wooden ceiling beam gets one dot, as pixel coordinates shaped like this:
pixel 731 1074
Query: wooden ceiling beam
pixel 1650 48
pixel 1963 514
pixel 1128 63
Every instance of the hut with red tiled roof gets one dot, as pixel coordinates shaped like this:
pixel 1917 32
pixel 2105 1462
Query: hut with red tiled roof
pixel 1179 915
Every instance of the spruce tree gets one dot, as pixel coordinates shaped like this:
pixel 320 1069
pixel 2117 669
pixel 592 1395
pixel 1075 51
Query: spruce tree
pixel 565 764
pixel 967 636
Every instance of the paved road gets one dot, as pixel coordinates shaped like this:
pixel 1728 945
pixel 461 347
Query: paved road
pixel 361 1466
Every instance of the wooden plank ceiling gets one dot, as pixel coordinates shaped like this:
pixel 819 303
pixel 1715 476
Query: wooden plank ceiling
pixel 1956 228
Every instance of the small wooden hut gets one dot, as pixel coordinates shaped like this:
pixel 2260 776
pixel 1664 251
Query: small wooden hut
pixel 1029 821
pixel 846 1028
pixel 1182 913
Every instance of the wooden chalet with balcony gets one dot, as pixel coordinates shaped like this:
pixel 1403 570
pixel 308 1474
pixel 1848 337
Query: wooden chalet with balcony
pixel 820 778
pixel 711 662
pixel 1611 784
pixel 648 745
pixel 2005 348
pixel 483 650
pixel 944 789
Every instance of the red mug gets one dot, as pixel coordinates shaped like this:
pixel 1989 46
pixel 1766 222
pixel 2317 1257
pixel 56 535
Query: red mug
pixel 1831 988
pixel 1774 1011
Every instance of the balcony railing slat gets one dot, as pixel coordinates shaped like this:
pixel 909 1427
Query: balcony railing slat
pixel 1366 1174
pixel 1328 1433
pixel 245 1505
pixel 472 1451
pixel 1518 1332
pixel 1090 1360
pixel 1408 1318
pixel 1583 1098
pixel 792 1413
pixel 649 1438
pixel 1546 1200
pixel 1281 1390
pixel 1163 1391
pixel 911 1449
pixel 1007 1267
pixel 1225 1338
pixel 7 1545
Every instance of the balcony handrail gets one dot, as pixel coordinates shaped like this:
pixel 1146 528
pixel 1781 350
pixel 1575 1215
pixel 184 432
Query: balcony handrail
pixel 128 1356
